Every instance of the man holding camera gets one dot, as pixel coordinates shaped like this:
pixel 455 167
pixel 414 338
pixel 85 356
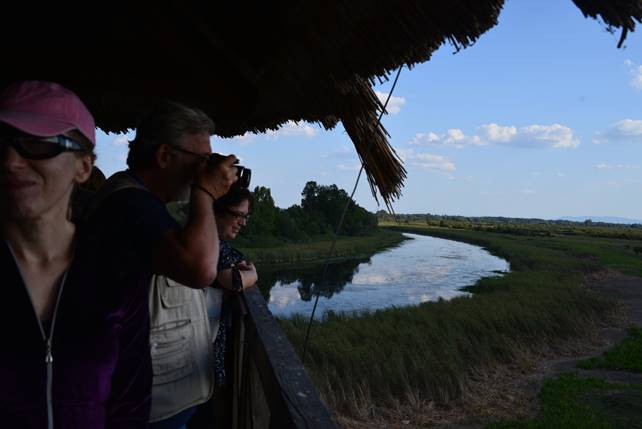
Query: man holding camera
pixel 170 155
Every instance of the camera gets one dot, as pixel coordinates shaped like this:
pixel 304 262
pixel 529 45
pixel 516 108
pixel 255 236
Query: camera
pixel 243 174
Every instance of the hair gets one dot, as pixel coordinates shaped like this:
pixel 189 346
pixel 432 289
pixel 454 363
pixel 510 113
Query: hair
pixel 82 193
pixel 167 123
pixel 234 197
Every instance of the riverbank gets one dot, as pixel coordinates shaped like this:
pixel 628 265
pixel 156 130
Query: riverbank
pixel 318 249
pixel 410 366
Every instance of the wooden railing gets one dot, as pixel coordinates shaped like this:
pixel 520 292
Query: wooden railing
pixel 271 388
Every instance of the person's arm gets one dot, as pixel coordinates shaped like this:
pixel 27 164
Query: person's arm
pixel 249 276
pixel 189 256
pixel 129 400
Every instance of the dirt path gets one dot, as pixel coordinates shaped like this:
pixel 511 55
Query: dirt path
pixel 628 291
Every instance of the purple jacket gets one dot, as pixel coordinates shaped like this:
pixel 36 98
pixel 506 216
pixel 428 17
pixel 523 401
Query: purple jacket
pixel 99 363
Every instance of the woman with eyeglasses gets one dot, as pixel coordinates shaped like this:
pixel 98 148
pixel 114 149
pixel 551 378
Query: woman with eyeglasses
pixel 235 274
pixel 74 351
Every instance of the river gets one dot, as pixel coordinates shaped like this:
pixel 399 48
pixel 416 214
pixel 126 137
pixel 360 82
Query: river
pixel 421 269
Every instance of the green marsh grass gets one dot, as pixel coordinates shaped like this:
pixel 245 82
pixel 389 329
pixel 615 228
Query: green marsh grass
pixel 571 402
pixel 430 351
pixel 626 356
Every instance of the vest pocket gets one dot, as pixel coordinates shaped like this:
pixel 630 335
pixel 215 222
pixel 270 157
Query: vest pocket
pixel 175 294
pixel 172 351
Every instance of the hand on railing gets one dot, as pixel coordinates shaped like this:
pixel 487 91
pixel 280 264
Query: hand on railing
pixel 240 276
pixel 248 273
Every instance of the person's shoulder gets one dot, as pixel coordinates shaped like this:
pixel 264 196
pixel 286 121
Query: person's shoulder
pixel 133 196
pixel 128 210
pixel 131 199
pixel 228 255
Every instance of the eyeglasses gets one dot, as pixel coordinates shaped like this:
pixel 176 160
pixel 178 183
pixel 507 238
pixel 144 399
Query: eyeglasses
pixel 202 156
pixel 238 215
pixel 32 147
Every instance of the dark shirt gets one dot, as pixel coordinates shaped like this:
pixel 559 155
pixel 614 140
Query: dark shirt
pixel 100 348
pixel 101 362
pixel 226 257
pixel 126 226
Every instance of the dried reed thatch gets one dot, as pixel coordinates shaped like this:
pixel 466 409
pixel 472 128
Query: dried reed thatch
pixel 252 66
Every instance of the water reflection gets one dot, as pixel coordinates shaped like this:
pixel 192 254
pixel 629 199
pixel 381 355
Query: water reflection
pixel 420 270
pixel 338 275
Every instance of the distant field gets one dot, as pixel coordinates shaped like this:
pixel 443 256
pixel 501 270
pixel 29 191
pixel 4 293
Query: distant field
pixel 526 227
pixel 318 248
pixel 386 358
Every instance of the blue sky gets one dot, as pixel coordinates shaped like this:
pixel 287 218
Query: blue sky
pixel 542 117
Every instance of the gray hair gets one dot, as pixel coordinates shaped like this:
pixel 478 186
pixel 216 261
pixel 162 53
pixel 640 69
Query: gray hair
pixel 167 123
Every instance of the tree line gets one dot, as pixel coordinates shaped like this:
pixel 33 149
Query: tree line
pixel 317 215
pixel 519 226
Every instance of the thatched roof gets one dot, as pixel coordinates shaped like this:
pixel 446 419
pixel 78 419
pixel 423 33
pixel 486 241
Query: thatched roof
pixel 254 66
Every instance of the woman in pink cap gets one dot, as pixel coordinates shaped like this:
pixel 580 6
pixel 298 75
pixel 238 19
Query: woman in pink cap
pixel 75 349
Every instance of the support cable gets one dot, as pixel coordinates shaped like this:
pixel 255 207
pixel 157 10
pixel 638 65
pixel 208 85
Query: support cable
pixel 336 232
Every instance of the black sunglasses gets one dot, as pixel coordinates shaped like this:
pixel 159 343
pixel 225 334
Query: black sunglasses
pixel 32 147
pixel 202 156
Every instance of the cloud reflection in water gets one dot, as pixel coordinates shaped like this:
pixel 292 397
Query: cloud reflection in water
pixel 420 270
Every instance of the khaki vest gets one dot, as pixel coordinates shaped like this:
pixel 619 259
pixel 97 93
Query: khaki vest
pixel 181 348
pixel 180 336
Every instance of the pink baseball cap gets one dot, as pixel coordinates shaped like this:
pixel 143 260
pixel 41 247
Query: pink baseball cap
pixel 45 109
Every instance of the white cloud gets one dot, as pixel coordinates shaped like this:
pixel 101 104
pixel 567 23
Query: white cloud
pixel 456 137
pixel 245 139
pixel 349 167
pixel 426 161
pixel 604 166
pixel 424 139
pixel 289 129
pixel 556 136
pixel 453 137
pixel 120 140
pixel 394 105
pixel 636 73
pixel 527 192
pixel 497 134
pixel 637 78
pixel 629 128
pixel 293 129
pixel 344 151
pixel 626 129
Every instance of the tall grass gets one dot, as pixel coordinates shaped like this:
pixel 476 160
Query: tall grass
pixel 431 351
